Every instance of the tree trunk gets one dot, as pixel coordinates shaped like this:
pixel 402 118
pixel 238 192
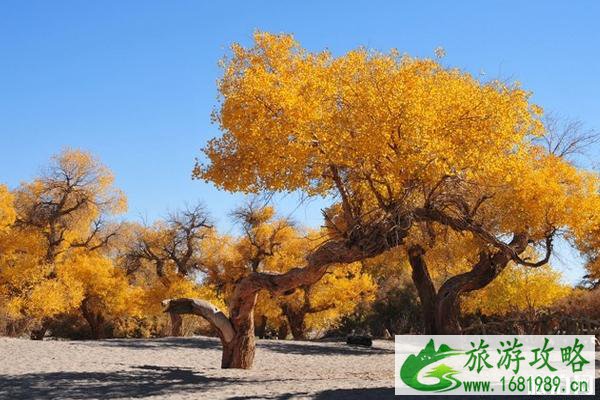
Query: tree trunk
pixel 441 311
pixel 176 324
pixel 39 333
pixel 425 288
pixel 94 319
pixel 283 331
pixel 297 325
pixel 447 312
pixel 295 320
pixel 447 300
pixel 261 327
pixel 239 353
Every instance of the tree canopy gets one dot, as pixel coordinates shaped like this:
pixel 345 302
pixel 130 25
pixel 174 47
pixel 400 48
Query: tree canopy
pixel 385 131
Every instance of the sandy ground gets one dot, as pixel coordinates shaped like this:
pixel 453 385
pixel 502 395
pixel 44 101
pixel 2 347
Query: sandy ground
pixel 188 368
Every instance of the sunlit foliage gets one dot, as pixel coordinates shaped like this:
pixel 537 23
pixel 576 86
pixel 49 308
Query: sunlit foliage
pixel 7 211
pixel 519 290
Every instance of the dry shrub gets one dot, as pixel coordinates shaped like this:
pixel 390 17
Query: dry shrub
pixel 581 303
pixel 9 326
pixel 159 326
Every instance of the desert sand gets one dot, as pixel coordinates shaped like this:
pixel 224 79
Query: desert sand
pixel 188 368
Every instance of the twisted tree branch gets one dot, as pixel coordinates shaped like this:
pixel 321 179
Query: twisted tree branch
pixel 204 309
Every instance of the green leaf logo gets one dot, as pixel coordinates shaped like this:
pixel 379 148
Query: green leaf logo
pixel 414 364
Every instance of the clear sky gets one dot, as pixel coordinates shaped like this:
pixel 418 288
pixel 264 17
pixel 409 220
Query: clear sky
pixel 134 81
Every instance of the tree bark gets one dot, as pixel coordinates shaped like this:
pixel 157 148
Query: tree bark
pixel 239 352
pixel 296 323
pixel 94 319
pixel 283 331
pixel 298 328
pixel 447 300
pixel 425 288
pixel 261 327
pixel 176 325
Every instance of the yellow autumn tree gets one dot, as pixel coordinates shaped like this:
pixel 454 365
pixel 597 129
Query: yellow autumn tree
pixel 105 294
pixel 53 260
pixel 519 290
pixel 7 210
pixel 165 259
pixel 337 294
pixel 406 146
pixel 7 217
pixel 588 240
pixel 69 204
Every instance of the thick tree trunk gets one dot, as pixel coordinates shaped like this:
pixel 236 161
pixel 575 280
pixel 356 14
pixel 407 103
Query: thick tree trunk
pixel 261 327
pixel 239 353
pixel 447 300
pixel 447 313
pixel 297 325
pixel 176 324
pixel 425 288
pixel 295 319
pixel 283 331
pixel 94 319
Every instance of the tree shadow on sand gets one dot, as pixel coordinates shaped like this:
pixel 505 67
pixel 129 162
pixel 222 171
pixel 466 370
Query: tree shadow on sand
pixel 279 346
pixel 199 343
pixel 139 382
pixel 145 380
pixel 337 394
pixel 388 393
pixel 149 380
pixel 325 349
pixel 384 393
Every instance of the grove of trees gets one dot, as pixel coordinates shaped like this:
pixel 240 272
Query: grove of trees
pixel 447 196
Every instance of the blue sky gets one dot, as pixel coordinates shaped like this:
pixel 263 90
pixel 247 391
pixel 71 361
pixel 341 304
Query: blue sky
pixel 134 81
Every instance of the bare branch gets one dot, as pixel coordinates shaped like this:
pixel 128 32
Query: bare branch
pixel 543 261
pixel 566 138
pixel 98 238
